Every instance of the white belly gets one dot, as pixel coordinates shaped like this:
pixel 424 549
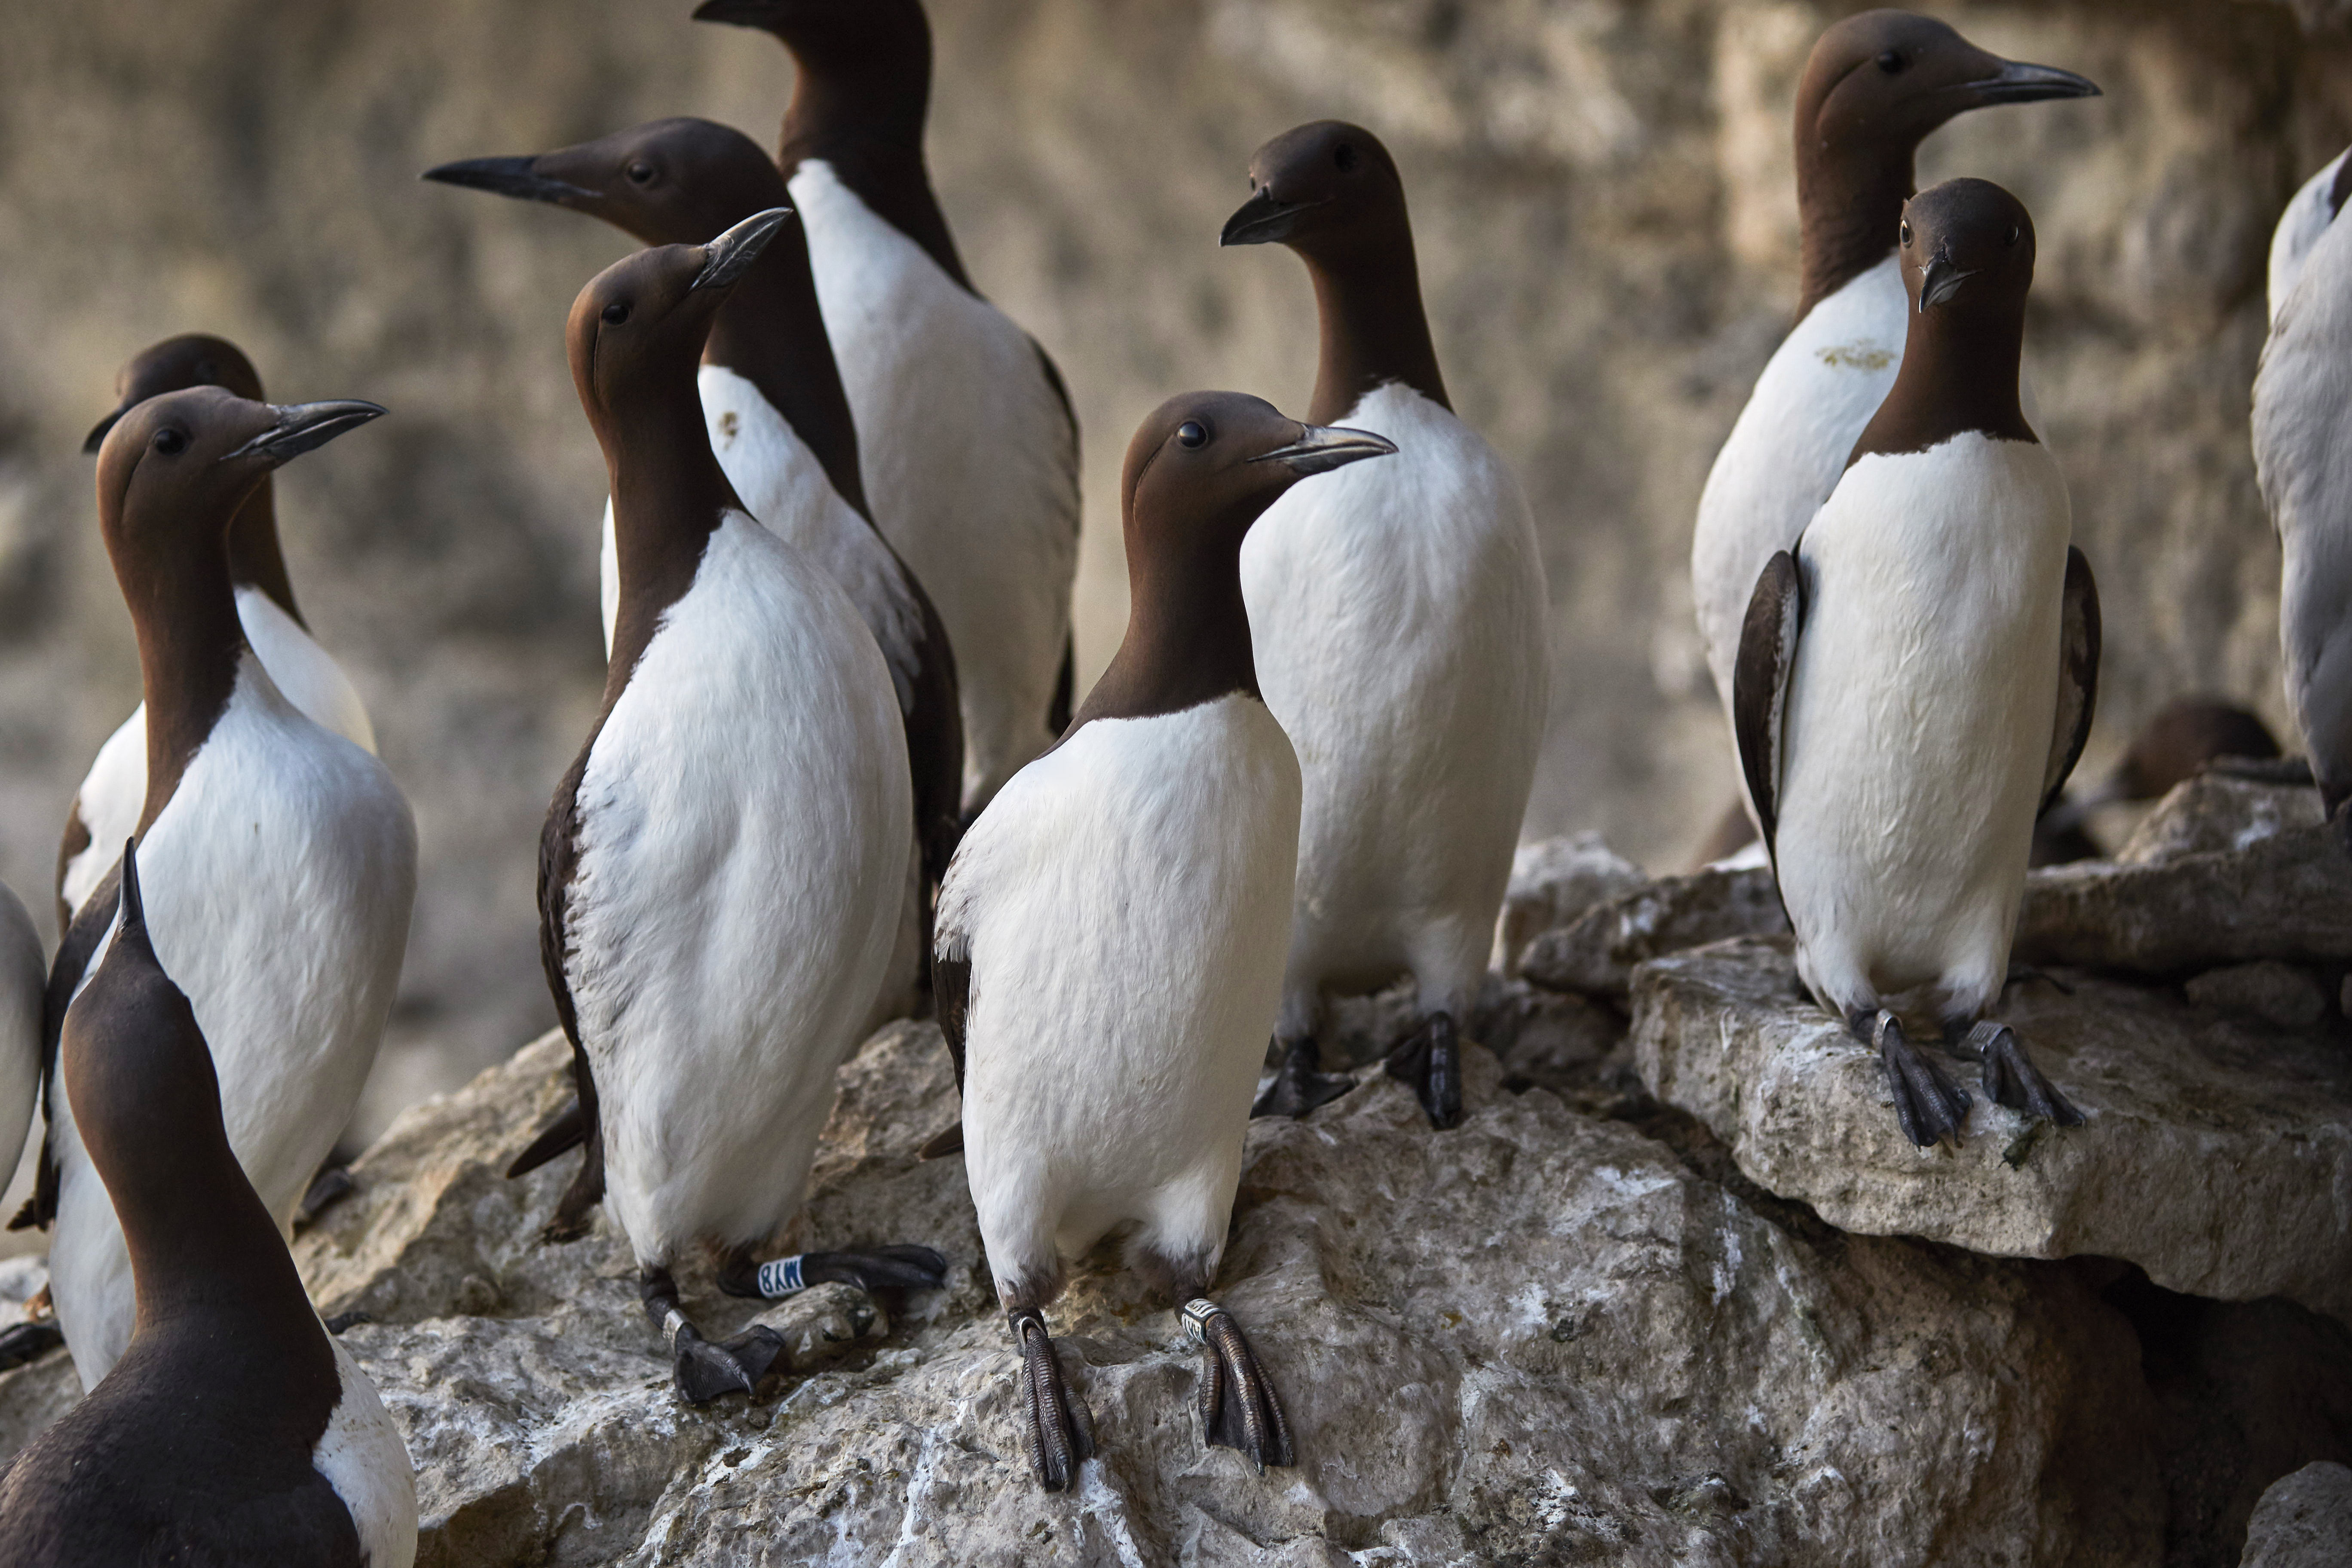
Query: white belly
pixel 1125 903
pixel 279 882
pixel 115 792
pixel 1397 613
pixel 742 851
pixel 1919 719
pixel 970 463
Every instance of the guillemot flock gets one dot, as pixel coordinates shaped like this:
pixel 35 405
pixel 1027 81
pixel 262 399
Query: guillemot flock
pixel 842 774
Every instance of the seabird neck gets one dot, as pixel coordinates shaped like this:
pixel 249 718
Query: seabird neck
pixel 1849 205
pixel 202 1248
pixel 668 495
pixel 1374 329
pixel 1960 374
pixel 255 559
pixel 772 332
pixel 190 642
pixel 1187 639
pixel 867 122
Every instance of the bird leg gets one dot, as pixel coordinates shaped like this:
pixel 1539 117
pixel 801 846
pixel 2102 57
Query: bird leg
pixel 704 1371
pixel 1238 1409
pixel 1431 1060
pixel 1298 1088
pixel 22 1343
pixel 1930 1107
pixel 1058 1432
pixel 2011 1077
pixel 876 1269
pixel 330 1186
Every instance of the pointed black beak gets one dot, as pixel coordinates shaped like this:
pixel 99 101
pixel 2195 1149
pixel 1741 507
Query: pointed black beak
pixel 97 436
pixel 510 177
pixel 1262 220
pixel 2018 82
pixel 1322 447
pixel 731 254
pixel 1940 282
pixel 301 426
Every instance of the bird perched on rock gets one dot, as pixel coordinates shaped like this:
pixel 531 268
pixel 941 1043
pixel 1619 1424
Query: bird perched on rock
pixel 1916 680
pixel 106 808
pixel 1874 86
pixel 970 450
pixel 1112 930
pixel 722 865
pixel 1398 617
pixel 2303 461
pixel 233 1429
pixel 2171 749
pixel 280 859
pixel 781 426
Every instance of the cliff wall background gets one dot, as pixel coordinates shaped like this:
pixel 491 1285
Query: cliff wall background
pixel 1605 213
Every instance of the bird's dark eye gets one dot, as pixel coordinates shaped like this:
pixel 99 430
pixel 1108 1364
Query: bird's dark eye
pixel 639 171
pixel 170 442
pixel 616 312
pixel 1903 233
pixel 2014 235
pixel 1890 62
pixel 1192 433
pixel 1344 156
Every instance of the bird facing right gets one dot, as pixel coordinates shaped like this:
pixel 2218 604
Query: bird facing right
pixel 1915 683
pixel 1112 929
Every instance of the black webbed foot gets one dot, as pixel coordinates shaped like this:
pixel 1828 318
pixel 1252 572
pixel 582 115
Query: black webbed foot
pixel 705 1371
pixel 1057 1430
pixel 1238 1409
pixel 342 1323
pixel 1298 1088
pixel 898 1268
pixel 1930 1107
pixel 1431 1060
pixel 2011 1077
pixel 22 1343
pixel 330 1186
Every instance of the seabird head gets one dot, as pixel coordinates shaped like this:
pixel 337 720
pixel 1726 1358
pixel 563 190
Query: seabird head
pixel 135 1063
pixel 643 321
pixel 1884 79
pixel 669 182
pixel 1966 244
pixel 181 463
pixel 1204 467
pixel 192 359
pixel 1321 188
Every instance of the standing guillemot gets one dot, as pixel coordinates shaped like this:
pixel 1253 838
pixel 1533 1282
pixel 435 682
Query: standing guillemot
pixel 233 1429
pixel 781 426
pixel 23 976
pixel 1874 86
pixel 2303 462
pixel 1398 613
pixel 970 449
pixel 1112 930
pixel 722 865
pixel 280 859
pixel 106 808
pixel 1916 680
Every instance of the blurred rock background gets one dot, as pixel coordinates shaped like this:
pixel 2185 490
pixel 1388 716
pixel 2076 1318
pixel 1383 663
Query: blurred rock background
pixel 1605 211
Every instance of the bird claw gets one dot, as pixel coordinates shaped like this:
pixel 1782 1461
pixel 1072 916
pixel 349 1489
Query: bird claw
pixel 1056 1429
pixel 1930 1106
pixel 1238 1407
pixel 2011 1077
pixel 22 1343
pixel 706 1370
pixel 1298 1088
pixel 1430 1061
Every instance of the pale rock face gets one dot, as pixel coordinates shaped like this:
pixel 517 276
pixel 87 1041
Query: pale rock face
pixel 2304 1520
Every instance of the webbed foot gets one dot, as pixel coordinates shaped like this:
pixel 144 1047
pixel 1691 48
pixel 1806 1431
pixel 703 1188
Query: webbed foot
pixel 1431 1060
pixel 704 1371
pixel 1298 1088
pixel 897 1267
pixel 1930 1107
pixel 1057 1430
pixel 22 1343
pixel 2011 1077
pixel 1238 1409
pixel 342 1323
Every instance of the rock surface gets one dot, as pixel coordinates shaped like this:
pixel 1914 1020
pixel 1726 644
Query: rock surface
pixel 1596 953
pixel 1553 880
pixel 2304 1520
pixel 2218 1157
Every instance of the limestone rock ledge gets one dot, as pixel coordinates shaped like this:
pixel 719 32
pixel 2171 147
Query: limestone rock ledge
pixel 2217 1155
pixel 1541 1337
